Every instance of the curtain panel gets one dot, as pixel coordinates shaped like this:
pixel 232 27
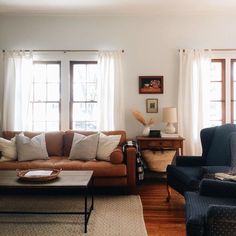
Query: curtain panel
pixel 18 74
pixel 193 97
pixel 110 98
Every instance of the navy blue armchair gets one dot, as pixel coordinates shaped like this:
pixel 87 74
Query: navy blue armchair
pixel 216 157
pixel 212 211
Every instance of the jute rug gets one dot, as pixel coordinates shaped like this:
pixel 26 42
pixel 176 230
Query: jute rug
pixel 112 216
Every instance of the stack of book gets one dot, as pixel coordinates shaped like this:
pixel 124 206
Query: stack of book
pixel 164 135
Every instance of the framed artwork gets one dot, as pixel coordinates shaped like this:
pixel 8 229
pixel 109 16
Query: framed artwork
pixel 151 105
pixel 150 84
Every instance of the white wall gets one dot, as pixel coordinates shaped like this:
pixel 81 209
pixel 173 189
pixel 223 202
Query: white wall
pixel 151 46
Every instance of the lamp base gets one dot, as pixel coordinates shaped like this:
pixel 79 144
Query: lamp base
pixel 169 129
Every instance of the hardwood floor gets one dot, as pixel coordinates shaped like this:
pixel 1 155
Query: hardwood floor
pixel 162 218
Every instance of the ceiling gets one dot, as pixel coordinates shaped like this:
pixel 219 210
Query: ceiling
pixel 116 7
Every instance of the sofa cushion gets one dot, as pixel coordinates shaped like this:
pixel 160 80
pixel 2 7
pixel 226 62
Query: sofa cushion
pixel 106 145
pixel 84 147
pixel 54 140
pixel 31 149
pixel 117 156
pixel 68 138
pixel 8 149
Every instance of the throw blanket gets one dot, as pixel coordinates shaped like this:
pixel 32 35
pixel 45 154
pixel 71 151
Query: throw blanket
pixel 139 161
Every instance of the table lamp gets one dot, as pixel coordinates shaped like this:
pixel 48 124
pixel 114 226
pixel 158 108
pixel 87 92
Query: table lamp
pixel 169 116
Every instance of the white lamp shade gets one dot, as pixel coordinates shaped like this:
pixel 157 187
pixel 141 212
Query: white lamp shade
pixel 169 115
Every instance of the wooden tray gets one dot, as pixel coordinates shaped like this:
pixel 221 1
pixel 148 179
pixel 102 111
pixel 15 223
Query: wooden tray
pixel 22 174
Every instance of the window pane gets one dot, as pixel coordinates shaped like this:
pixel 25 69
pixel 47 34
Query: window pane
pixel 39 92
pixel 215 123
pixel 92 73
pixel 216 71
pixel 215 90
pixel 40 73
pixel 39 111
pixel 84 125
pixel 79 92
pixel 85 112
pixel 79 73
pixel 53 92
pixel 92 92
pixel 52 126
pixel 53 73
pixel 39 126
pixel 216 111
pixel 52 112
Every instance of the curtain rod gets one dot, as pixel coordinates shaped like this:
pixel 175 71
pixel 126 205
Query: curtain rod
pixel 218 50
pixel 60 50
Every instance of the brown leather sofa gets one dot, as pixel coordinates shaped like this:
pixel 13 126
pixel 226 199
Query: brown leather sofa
pixel 121 171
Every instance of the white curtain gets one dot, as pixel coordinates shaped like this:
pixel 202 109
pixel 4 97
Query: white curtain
pixel 193 97
pixel 111 106
pixel 18 74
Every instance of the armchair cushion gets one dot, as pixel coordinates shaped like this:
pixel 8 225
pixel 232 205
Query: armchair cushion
pixel 197 208
pixel 218 188
pixel 221 220
pixel 187 175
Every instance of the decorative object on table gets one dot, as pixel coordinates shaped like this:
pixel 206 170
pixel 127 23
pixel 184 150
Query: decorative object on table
pixel 147 124
pixel 165 135
pixel 38 175
pixel 169 116
pixel 150 84
pixel 151 105
pixel 155 133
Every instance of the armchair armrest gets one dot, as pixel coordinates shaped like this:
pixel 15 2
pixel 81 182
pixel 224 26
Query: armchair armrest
pixel 217 188
pixel 189 161
pixel 221 219
pixel 130 154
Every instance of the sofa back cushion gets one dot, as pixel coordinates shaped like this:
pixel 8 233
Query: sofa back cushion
pixel 68 138
pixel 54 140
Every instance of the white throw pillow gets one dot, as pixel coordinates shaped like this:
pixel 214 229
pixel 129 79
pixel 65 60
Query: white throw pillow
pixel 31 149
pixel 106 145
pixel 84 147
pixel 8 149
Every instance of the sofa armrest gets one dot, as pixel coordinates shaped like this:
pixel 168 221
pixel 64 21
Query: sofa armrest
pixel 221 219
pixel 217 188
pixel 130 155
pixel 189 161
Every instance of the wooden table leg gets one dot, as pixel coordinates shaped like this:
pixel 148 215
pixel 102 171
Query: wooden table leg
pixel 168 192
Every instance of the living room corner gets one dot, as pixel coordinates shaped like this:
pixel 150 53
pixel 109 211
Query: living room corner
pixel 117 118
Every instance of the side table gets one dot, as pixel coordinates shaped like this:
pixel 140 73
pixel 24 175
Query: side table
pixel 154 143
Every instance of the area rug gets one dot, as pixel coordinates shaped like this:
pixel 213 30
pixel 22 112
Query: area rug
pixel 112 216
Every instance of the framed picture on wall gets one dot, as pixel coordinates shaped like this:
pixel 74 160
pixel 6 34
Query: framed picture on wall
pixel 150 84
pixel 151 105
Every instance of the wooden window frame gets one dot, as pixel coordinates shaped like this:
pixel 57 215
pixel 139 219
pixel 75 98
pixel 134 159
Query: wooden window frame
pixel 72 63
pixel 232 79
pixel 223 95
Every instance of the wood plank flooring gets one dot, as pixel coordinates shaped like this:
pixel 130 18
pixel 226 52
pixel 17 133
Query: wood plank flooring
pixel 162 218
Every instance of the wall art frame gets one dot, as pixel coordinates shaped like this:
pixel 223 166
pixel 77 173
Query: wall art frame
pixel 151 105
pixel 151 85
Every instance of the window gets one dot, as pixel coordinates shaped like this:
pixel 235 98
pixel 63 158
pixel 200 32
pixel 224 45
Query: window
pixel 45 96
pixel 84 93
pixel 233 91
pixel 217 92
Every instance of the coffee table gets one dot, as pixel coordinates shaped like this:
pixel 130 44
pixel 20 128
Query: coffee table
pixel 66 180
